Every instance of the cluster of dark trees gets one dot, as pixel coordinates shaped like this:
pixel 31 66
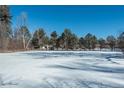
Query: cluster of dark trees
pixel 22 39
pixel 69 41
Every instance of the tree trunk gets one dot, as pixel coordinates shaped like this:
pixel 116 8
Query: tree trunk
pixel 23 39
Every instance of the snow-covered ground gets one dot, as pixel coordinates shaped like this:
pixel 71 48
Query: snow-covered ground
pixel 61 69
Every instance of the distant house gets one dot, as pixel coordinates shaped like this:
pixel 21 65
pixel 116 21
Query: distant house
pixel 97 47
pixel 45 47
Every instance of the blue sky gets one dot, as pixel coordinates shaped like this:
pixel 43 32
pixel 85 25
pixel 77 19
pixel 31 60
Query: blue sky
pixel 98 20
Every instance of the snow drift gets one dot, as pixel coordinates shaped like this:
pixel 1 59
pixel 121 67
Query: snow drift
pixel 63 69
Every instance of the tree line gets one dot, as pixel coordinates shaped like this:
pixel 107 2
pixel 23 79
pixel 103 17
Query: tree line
pixel 22 39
